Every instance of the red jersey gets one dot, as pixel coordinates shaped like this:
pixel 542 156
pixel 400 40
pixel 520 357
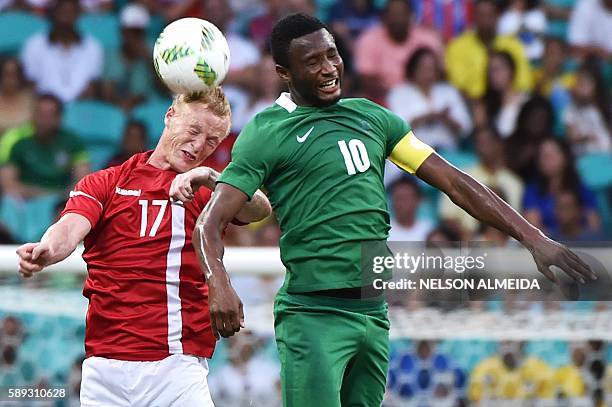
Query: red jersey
pixel 147 294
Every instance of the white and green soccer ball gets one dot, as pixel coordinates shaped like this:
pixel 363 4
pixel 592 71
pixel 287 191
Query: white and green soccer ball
pixel 191 55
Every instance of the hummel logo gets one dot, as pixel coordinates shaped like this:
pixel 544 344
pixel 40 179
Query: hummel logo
pixel 127 192
pixel 305 136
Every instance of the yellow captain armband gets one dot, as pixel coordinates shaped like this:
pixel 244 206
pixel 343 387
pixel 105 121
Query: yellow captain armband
pixel 409 153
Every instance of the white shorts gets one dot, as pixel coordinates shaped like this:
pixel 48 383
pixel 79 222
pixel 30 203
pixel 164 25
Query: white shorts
pixel 178 380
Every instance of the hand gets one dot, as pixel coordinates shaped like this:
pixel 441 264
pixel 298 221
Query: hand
pixel 547 252
pixel 185 185
pixel 226 313
pixel 33 257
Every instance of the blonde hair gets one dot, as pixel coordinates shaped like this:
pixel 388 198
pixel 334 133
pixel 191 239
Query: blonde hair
pixel 214 99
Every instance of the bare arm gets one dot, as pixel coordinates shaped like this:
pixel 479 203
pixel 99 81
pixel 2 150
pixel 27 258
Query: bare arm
pixel 484 205
pixel 225 307
pixel 185 185
pixel 58 242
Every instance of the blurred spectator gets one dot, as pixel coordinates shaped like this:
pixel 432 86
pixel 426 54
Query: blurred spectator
pixel 527 20
pixel 97 6
pixel 467 55
pixel 557 15
pixel 534 124
pixel 568 378
pixel 42 6
pixel 268 234
pixel 588 115
pixel 236 236
pixel 382 51
pixel 242 77
pixel 42 157
pixel 260 27
pixel 557 173
pixel 348 18
pixel 16 98
pixel 590 28
pixel 552 79
pixel 444 233
pixel 128 77
pixel 405 200
pixel 492 171
pixel 134 141
pixel 569 215
pixel 174 9
pixel 434 109
pixel 502 101
pixel 63 62
pixel 448 17
pixel 269 86
pixel 11 332
pixel 9 358
pixel 511 375
pixel 248 378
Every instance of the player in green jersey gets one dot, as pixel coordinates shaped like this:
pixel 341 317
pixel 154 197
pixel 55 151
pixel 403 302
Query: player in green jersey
pixel 321 159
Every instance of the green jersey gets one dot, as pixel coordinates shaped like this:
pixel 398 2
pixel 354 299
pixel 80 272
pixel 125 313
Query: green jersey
pixel 323 172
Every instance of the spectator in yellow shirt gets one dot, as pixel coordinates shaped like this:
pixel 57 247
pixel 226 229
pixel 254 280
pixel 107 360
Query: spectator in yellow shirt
pixel 467 56
pixel 511 375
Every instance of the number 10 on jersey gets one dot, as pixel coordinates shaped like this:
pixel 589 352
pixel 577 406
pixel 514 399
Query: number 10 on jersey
pixel 355 156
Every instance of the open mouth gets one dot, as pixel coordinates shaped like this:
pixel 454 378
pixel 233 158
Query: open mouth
pixel 330 85
pixel 188 156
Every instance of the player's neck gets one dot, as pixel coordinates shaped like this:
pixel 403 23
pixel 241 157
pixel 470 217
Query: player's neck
pixel 158 160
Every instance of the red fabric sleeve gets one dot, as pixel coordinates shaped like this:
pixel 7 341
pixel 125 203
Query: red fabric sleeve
pixel 90 195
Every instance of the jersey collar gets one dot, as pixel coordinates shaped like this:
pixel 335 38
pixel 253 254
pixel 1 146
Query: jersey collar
pixel 284 101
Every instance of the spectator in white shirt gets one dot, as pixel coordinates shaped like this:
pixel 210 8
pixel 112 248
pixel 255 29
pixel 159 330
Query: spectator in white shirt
pixel 590 28
pixel 63 62
pixel 434 109
pixel 587 117
pixel 405 200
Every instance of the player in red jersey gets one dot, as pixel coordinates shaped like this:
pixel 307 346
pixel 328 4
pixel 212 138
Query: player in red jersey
pixel 148 327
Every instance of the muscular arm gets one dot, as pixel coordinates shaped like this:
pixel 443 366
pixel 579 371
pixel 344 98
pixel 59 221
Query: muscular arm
pixel 225 307
pixel 258 208
pixel 58 242
pixel 484 205
pixel 184 186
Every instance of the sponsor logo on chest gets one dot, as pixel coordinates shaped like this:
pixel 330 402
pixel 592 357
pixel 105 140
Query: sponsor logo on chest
pixel 127 192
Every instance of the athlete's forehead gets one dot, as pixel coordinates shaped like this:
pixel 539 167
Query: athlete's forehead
pixel 313 44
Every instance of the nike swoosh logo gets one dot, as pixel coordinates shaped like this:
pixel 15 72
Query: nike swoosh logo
pixel 305 136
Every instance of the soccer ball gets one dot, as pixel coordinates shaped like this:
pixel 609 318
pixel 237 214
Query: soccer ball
pixel 191 55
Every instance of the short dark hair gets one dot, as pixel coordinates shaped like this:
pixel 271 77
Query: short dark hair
pixel 289 28
pixel 49 97
pixel 407 180
pixel 415 58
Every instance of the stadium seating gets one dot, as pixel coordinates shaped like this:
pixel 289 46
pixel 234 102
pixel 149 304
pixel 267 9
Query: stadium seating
pixel 28 220
pixel 596 171
pixel 152 115
pixel 16 27
pixel 103 27
pixel 100 125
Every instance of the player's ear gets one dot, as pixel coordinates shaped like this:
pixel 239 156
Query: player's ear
pixel 169 113
pixel 282 72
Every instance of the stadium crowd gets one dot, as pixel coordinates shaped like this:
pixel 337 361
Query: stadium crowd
pixel 514 92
